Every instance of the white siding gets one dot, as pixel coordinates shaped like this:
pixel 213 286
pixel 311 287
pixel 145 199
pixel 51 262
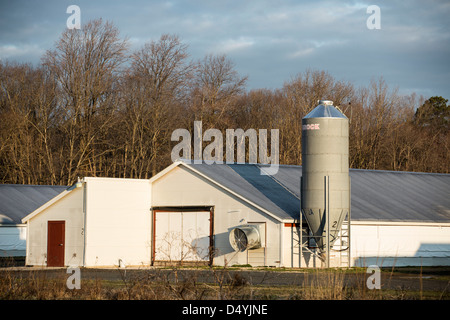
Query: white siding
pixel 182 236
pixel 383 244
pixel 118 222
pixel 400 245
pixel 69 209
pixel 196 235
pixel 181 187
pixel 118 227
pixel 13 240
pixel 291 248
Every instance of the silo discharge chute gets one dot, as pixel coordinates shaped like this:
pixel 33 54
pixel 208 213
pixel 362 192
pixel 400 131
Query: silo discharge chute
pixel 325 185
pixel 245 237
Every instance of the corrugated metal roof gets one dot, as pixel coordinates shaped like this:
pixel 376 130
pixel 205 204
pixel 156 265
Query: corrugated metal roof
pixel 376 195
pixel 17 200
pixel 262 190
pixel 400 196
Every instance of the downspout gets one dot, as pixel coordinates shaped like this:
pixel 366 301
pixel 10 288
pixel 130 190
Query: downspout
pixel 152 231
pixel 27 243
pixel 281 244
pixel 84 185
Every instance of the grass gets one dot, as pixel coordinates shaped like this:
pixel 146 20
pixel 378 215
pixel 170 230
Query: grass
pixel 175 283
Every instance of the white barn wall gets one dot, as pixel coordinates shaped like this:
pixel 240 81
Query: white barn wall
pixel 291 248
pixel 118 222
pixel 386 245
pixel 13 240
pixel 69 209
pixel 181 187
pixel 118 226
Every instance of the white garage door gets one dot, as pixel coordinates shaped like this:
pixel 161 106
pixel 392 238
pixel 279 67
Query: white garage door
pixel 182 236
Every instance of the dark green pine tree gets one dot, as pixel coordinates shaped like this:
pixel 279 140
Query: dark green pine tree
pixel 434 113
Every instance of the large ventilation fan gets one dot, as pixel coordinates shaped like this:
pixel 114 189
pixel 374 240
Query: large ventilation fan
pixel 245 237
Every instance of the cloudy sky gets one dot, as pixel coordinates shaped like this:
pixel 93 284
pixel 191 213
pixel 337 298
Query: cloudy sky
pixel 270 41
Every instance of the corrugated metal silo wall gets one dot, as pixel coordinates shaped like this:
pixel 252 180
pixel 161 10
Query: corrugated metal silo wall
pixel 325 154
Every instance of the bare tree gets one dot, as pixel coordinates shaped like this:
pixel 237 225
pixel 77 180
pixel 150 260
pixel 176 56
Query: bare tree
pixel 216 85
pixel 301 95
pixel 27 111
pixel 303 92
pixel 85 112
pixel 153 89
pixel 372 121
pixel 85 65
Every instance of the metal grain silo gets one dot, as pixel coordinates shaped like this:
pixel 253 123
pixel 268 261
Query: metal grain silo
pixel 325 185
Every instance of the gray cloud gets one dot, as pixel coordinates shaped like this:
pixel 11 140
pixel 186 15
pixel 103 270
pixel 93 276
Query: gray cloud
pixel 270 41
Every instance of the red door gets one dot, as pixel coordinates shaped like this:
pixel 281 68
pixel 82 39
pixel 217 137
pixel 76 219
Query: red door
pixel 55 243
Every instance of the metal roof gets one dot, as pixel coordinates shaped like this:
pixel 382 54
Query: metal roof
pixel 400 196
pixel 262 190
pixel 376 195
pixel 18 200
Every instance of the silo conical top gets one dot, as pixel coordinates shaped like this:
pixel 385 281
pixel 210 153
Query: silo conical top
pixel 325 109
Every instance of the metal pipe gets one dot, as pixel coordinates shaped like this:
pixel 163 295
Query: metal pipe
pixel 85 218
pixel 328 220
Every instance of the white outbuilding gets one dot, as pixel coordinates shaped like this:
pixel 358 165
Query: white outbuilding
pixel 96 222
pixel 230 214
pixel 17 201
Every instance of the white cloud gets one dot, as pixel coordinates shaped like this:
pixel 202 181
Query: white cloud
pixel 301 53
pixel 15 51
pixel 231 45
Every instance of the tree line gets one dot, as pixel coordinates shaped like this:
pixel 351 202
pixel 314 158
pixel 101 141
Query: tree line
pixel 93 107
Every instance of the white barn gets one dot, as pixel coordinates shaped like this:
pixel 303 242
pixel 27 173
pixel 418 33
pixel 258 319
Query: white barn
pixel 185 214
pixel 16 202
